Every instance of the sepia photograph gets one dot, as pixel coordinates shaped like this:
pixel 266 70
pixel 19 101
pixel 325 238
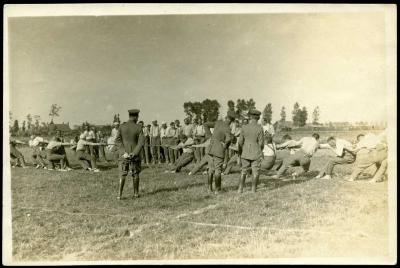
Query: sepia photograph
pixel 199 134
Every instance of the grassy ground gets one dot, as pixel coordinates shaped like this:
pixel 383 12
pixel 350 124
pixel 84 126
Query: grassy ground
pixel 75 216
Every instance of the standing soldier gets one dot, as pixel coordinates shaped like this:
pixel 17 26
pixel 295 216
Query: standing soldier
pixel 251 144
pixel 155 142
pixel 130 141
pixel 219 143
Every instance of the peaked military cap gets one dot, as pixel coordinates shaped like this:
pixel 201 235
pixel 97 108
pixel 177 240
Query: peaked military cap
pixel 133 111
pixel 254 112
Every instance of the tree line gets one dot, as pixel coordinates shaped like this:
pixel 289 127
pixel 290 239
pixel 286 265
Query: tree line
pixel 209 110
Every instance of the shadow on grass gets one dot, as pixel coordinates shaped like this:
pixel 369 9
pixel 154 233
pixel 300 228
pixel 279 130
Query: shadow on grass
pixel 176 188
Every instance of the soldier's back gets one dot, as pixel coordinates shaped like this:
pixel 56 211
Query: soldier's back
pixel 252 134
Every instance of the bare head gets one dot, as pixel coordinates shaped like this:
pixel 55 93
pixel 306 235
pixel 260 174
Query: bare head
pixel 315 136
pixel 332 141
pixel 360 137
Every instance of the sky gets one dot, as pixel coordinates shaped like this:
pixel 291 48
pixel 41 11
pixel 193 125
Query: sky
pixel 98 66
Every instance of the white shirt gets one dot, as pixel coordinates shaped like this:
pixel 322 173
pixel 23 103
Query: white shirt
pixel 269 149
pixel 370 141
pixel 35 142
pixel 81 145
pixel 340 146
pixel 114 132
pixel 163 132
pixel 269 128
pixel 186 145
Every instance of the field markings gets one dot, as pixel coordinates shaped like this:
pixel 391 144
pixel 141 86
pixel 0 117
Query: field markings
pixel 74 213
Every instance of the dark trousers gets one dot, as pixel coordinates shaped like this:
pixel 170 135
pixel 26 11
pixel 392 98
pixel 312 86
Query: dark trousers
pixel 183 161
pixel 87 160
pixel 347 158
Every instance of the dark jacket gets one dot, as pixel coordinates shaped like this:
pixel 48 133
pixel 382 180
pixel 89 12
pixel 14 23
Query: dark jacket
pixel 130 138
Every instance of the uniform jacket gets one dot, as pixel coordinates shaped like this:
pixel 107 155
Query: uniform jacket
pixel 251 141
pixel 130 138
pixel 220 139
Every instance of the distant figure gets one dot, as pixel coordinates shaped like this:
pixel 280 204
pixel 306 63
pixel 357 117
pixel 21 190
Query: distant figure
pixel 155 142
pixel 16 155
pixel 61 149
pixel 87 160
pixel 187 128
pixel 344 155
pixel 199 137
pixel 172 142
pixel 267 126
pixel 371 150
pixel 54 155
pixel 164 142
pixel 37 145
pixel 219 143
pixel 146 134
pixel 130 141
pixel 251 144
pixel 308 146
pixel 187 156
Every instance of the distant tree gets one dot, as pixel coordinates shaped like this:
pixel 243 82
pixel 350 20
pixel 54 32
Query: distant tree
pixel 54 111
pixel 15 127
pixel 210 109
pixel 315 116
pixel 29 120
pixel 193 109
pixel 267 113
pixel 24 126
pixel 296 114
pixel 303 117
pixel 243 106
pixel 37 119
pixel 283 114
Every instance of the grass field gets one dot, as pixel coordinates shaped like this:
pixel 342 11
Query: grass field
pixel 75 216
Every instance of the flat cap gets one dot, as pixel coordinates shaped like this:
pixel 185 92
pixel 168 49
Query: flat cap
pixel 231 114
pixel 254 112
pixel 133 111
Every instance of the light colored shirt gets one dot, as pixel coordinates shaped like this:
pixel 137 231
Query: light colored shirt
pixel 340 146
pixel 53 144
pixel 179 131
pixel 81 145
pixel 309 145
pixel 199 131
pixel 370 141
pixel 35 142
pixel 186 146
pixel 269 128
pixel 91 135
pixel 188 130
pixel 269 149
pixel 114 132
pixel 155 131
pixel 163 132
pixel 233 127
pixel 171 132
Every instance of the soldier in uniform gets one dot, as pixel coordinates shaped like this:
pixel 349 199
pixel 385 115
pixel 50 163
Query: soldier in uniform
pixel 250 145
pixel 219 143
pixel 130 141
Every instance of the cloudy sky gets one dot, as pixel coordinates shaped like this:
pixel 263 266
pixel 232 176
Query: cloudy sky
pixel 95 67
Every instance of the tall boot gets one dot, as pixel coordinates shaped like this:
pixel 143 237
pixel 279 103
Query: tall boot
pixel 210 181
pixel 121 187
pixel 254 183
pixel 242 180
pixel 217 183
pixel 136 186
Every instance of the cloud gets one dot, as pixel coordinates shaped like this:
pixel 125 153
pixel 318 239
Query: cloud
pixel 109 107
